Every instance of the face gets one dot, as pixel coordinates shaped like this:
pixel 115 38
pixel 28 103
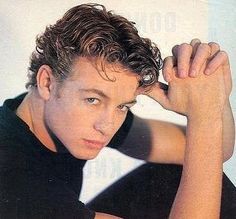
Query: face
pixel 86 110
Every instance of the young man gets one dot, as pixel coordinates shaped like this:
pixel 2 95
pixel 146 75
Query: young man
pixel 85 75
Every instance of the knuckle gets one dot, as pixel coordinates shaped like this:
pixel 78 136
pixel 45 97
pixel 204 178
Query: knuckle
pixel 175 49
pixel 185 46
pixel 167 59
pixel 196 40
pixel 204 46
pixel 224 55
pixel 215 45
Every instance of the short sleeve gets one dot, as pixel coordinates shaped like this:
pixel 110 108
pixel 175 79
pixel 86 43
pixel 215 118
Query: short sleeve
pixel 41 200
pixel 122 133
pixel 26 194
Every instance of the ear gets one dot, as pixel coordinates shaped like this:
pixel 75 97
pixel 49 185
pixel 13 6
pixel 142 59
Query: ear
pixel 45 81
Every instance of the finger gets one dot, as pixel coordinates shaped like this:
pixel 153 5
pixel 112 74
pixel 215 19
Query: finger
pixel 159 92
pixel 175 51
pixel 215 48
pixel 183 59
pixel 168 65
pixel 202 54
pixel 195 43
pixel 149 90
pixel 221 58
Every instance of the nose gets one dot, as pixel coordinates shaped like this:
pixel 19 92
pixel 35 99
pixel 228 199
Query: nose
pixel 105 123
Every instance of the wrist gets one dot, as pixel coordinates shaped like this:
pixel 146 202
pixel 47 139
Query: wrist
pixel 205 117
pixel 227 104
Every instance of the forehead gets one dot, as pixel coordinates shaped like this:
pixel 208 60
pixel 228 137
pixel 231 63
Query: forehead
pixel 112 79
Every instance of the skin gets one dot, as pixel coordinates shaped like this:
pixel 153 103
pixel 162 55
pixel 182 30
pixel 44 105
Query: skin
pixel 198 193
pixel 203 153
pixel 163 149
pixel 50 100
pixel 85 94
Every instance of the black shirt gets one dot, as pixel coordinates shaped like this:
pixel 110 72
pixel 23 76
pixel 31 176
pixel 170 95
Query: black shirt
pixel 36 182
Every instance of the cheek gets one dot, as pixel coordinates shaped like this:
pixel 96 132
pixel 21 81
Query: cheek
pixel 66 121
pixel 118 122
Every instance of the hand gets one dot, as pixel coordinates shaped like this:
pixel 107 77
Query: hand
pixel 192 96
pixel 196 56
pixel 190 59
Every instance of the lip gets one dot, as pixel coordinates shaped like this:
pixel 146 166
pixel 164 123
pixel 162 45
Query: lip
pixel 94 144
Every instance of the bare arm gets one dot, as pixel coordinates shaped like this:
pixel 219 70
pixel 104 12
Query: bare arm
pixel 163 142
pixel 199 193
pixel 155 141
pixel 228 132
pixel 202 100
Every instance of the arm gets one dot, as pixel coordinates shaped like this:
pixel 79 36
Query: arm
pixel 199 193
pixel 155 141
pixel 194 179
pixel 228 132
pixel 203 155
pixel 208 58
pixel 164 142
pixel 167 144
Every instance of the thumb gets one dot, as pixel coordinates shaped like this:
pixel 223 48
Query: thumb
pixel 158 92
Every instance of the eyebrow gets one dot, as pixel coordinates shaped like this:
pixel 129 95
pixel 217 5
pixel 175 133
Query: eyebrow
pixel 132 102
pixel 102 94
pixel 96 91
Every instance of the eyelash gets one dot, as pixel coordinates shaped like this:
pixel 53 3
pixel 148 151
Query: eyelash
pixel 126 108
pixel 91 100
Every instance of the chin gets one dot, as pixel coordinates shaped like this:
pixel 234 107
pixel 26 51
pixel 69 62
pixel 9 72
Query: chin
pixel 88 155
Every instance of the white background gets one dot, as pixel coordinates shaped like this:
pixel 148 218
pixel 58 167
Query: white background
pixel 167 22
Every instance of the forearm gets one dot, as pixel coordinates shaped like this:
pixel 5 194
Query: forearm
pixel 228 131
pixel 199 193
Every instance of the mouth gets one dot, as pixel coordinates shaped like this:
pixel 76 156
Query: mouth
pixel 93 144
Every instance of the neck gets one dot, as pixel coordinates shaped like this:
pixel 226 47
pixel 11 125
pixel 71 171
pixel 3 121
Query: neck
pixel 31 111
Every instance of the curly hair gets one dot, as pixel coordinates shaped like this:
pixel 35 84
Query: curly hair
pixel 89 30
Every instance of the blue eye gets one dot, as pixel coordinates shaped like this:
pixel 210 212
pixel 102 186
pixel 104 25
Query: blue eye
pixel 92 101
